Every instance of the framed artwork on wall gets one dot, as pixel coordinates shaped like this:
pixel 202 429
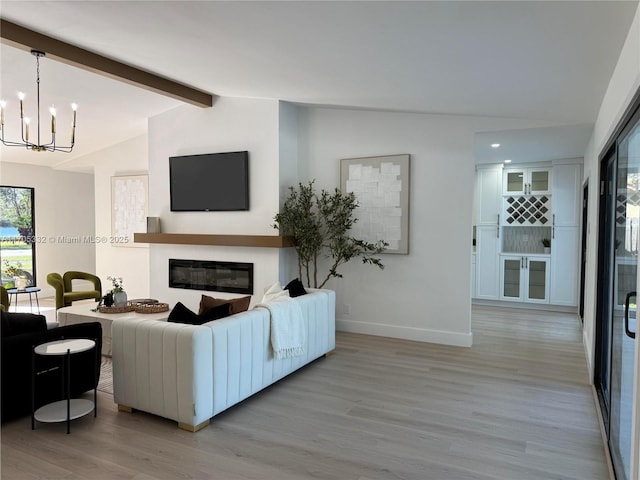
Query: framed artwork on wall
pixel 381 186
pixel 129 205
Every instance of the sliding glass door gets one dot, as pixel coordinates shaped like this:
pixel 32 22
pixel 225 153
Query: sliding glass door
pixel 618 265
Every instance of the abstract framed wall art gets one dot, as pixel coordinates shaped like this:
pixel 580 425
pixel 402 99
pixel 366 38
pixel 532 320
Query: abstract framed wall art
pixel 381 186
pixel 128 209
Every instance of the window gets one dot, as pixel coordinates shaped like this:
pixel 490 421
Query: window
pixel 17 236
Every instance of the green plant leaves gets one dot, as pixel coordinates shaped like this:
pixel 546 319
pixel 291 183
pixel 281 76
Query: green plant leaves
pixel 320 225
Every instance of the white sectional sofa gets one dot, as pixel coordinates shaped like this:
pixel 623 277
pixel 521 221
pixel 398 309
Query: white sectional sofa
pixel 190 373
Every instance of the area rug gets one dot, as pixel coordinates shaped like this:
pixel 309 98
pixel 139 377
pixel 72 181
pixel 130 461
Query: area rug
pixel 106 376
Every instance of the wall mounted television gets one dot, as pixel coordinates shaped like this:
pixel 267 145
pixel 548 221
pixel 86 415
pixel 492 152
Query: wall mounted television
pixel 209 182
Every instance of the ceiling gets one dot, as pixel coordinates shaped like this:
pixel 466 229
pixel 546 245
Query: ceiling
pixel 543 60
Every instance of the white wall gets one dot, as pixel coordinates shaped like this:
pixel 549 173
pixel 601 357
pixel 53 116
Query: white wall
pixel 289 175
pixel 129 262
pixel 424 295
pixel 64 207
pixel 622 86
pixel 232 124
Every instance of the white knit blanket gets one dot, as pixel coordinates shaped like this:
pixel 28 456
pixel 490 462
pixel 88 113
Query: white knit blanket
pixel 287 327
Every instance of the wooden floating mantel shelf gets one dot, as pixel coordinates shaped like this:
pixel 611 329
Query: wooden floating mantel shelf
pixel 268 241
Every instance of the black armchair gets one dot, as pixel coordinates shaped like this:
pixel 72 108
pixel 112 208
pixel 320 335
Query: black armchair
pixel 20 333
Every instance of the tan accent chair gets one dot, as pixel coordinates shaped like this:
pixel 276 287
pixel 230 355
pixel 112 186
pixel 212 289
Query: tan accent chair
pixel 4 299
pixel 63 285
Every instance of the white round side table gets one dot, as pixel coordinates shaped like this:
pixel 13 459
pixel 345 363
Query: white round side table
pixel 70 408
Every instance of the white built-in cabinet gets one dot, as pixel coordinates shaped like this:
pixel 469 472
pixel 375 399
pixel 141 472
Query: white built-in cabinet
pixel 524 278
pixel 489 195
pixel 487 264
pixel 489 183
pixel 565 263
pixel 565 234
pixel 567 182
pixel 517 207
pixel 526 181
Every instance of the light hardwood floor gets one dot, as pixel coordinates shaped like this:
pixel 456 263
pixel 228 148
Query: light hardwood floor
pixel 515 406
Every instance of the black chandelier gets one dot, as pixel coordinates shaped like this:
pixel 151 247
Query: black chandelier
pixel 25 121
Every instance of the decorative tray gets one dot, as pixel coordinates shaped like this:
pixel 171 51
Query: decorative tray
pixel 125 309
pixel 151 307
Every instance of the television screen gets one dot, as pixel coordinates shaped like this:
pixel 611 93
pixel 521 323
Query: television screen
pixel 210 182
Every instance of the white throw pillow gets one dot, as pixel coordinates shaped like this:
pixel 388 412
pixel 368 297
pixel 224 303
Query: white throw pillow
pixel 273 292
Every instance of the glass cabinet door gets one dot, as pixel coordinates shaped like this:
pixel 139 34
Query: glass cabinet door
pixel 537 279
pixel 527 181
pixel 511 278
pixel 539 181
pixel 515 181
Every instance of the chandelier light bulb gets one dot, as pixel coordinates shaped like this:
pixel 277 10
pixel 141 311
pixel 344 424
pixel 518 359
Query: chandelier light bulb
pixel 53 119
pixel 3 103
pixel 21 96
pixel 74 106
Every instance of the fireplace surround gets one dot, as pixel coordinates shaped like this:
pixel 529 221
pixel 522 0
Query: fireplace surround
pixel 231 277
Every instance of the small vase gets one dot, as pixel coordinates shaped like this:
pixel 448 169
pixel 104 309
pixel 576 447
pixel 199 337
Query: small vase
pixel 120 299
pixel 547 249
pixel 21 283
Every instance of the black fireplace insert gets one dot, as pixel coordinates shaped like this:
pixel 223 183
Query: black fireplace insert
pixel 232 277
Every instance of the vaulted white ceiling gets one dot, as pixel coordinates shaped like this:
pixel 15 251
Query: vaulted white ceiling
pixel 542 60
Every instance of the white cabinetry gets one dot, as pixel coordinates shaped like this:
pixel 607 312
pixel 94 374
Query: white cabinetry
pixel 524 278
pixel 527 181
pixel 565 234
pixel 487 268
pixel 489 195
pixel 564 266
pixel 567 180
pixel 518 207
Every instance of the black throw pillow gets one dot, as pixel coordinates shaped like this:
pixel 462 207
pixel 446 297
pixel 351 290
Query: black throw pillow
pixel 296 288
pixel 181 314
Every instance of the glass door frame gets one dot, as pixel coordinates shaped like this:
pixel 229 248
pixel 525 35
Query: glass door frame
pixel 26 237
pixel 606 256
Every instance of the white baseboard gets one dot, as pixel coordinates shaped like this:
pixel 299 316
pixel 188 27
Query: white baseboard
pixel 587 354
pixel 406 333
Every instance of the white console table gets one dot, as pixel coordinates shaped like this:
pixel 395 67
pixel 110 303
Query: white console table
pixel 83 313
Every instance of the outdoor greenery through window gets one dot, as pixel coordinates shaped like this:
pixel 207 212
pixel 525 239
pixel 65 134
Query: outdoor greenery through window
pixel 17 246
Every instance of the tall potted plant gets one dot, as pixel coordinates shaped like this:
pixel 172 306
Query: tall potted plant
pixel 320 225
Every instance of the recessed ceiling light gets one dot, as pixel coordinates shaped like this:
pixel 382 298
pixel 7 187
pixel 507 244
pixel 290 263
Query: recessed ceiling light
pixel 495 145
pixel 507 161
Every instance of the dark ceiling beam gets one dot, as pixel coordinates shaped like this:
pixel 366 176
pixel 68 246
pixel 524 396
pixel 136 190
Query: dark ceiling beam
pixel 25 39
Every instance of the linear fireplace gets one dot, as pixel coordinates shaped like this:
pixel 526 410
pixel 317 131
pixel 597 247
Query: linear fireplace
pixel 232 277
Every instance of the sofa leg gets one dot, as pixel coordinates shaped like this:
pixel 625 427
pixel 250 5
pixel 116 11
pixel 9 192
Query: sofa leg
pixel 124 408
pixel 328 354
pixel 193 428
